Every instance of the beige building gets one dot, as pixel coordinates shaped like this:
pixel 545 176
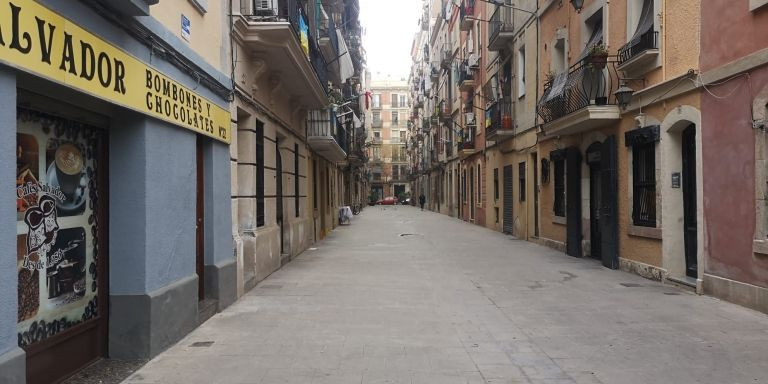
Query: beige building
pixel 571 128
pixel 298 155
pixel 390 107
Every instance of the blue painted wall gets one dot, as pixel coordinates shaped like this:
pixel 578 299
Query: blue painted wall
pixel 152 204
pixel 8 275
pixel 218 204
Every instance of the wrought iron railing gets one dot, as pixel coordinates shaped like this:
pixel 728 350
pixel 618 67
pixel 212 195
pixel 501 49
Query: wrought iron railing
pixel 466 74
pixel 467 9
pixel 592 81
pixel 324 123
pixel 501 21
pixel 467 139
pixel 646 41
pixel 501 117
pixel 330 32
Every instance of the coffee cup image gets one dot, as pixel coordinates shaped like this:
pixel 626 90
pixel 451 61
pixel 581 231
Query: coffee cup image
pixel 69 167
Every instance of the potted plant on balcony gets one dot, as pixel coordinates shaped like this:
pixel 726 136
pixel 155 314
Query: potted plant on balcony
pixel 598 56
pixel 549 77
pixel 506 122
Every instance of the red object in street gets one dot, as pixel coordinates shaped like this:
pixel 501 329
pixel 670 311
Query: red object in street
pixel 391 200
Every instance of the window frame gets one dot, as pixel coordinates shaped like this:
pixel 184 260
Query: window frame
pixel 644 183
pixel 260 198
pixel 521 181
pixel 558 186
pixel 296 186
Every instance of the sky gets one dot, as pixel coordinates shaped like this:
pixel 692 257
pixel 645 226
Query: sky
pixel 389 27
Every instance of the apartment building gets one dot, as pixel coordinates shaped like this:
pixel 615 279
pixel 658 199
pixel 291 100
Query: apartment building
pixel 298 112
pixel 390 101
pixel 594 123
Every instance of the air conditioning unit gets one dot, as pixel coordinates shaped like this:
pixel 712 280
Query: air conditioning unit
pixel 265 7
pixel 469 118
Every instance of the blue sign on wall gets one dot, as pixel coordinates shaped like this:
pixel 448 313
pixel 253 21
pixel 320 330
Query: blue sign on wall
pixel 186 27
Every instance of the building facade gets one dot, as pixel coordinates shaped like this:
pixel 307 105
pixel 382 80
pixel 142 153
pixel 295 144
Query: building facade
pixel 390 101
pixel 117 114
pixel 298 153
pixel 734 110
pixel 593 124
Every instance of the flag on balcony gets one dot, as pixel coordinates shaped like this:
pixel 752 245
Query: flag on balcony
pixel 304 33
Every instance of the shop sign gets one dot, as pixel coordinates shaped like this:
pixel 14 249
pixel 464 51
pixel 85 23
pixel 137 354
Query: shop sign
pixel 42 42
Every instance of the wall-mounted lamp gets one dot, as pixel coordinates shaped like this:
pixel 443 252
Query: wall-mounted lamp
pixel 577 5
pixel 624 95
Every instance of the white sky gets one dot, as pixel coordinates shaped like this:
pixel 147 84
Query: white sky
pixel 389 29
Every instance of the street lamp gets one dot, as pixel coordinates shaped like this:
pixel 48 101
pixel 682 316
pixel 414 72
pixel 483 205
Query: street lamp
pixel 577 5
pixel 624 95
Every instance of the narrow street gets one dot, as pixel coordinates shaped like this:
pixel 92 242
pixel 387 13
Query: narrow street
pixel 404 296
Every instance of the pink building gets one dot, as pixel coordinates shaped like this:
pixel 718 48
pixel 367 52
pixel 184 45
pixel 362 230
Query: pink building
pixel 735 150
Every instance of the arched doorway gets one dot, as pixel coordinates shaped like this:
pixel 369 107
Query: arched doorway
pixel 690 222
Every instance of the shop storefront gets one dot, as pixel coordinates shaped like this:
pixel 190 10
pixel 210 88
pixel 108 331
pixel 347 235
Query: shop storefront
pixel 121 196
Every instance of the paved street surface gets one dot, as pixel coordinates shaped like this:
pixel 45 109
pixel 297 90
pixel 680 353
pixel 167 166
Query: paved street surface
pixel 404 296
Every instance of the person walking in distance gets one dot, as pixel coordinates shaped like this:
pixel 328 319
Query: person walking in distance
pixel 422 200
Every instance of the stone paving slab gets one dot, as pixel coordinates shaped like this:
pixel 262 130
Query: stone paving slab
pixel 455 303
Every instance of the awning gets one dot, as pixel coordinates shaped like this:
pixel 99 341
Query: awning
pixel 356 121
pixel 646 22
pixel 346 67
pixel 595 39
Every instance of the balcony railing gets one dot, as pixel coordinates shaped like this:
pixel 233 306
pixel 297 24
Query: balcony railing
pixel 586 84
pixel 501 26
pixel 466 12
pixel 501 117
pixel 326 135
pixel 330 31
pixel 303 67
pixel 466 77
pixel 446 56
pixel 467 139
pixel 646 41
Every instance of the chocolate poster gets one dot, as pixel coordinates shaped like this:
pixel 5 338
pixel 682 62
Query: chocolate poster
pixel 56 205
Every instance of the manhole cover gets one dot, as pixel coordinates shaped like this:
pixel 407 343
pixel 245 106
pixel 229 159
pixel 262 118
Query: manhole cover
pixel 271 286
pixel 406 234
pixel 671 293
pixel 631 285
pixel 202 344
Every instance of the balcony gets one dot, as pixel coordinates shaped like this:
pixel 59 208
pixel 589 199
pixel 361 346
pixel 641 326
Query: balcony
pixel 326 136
pixel 581 99
pixel 466 78
pixel 377 123
pixel 446 57
pixel 637 56
pixel 467 12
pixel 500 29
pixel 444 111
pixel 329 44
pixel 434 74
pixel 502 122
pixel 273 37
pixel 467 146
pixel 418 101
